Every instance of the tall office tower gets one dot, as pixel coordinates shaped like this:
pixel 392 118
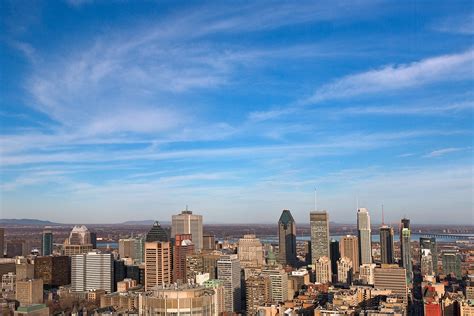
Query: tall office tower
pixel 365 236
pixel 2 242
pixel 47 242
pixel 29 292
pixel 392 277
pixel 452 263
pixel 278 284
pixel 344 270
pixel 208 242
pixel 228 270
pixel 94 240
pixel 287 239
pixel 430 243
pixel 53 270
pixel 180 300
pixel 187 223
pixel 257 292
pixel 366 274
pixel 131 248
pixel 119 273
pixel 183 246
pixel 404 223
pixel 386 244
pixel 319 222
pixel 157 263
pixel 79 241
pixel 405 243
pixel 335 255
pixel 250 251
pixel 92 270
pixel 426 262
pixel 349 248
pixel 323 270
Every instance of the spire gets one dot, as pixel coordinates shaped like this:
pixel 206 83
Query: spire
pixel 382 216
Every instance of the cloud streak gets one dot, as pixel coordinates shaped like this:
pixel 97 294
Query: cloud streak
pixel 395 77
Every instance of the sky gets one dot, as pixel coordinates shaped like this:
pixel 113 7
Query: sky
pixel 130 110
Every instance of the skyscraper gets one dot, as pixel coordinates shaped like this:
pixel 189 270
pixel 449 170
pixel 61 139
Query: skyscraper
pixel 79 241
pixel 335 255
pixel 405 243
pixel 2 242
pixel 287 239
pixel 404 223
pixel 365 236
pixel 228 270
pixel 349 247
pixel 183 246
pixel 158 268
pixel 257 292
pixel 426 262
pixel 452 263
pixel 250 251
pixel 392 277
pixel 131 248
pixel 344 270
pixel 93 270
pixel 278 284
pixel 430 243
pixel 319 222
pixel 323 270
pixel 386 244
pixel 47 242
pixel 188 223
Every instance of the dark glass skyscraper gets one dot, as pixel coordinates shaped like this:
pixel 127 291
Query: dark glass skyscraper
pixel 287 239
pixel 47 243
pixel 157 233
pixel 335 254
pixel 386 244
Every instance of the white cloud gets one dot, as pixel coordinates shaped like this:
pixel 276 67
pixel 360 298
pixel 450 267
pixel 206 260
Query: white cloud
pixel 442 152
pixel 461 24
pixel 395 77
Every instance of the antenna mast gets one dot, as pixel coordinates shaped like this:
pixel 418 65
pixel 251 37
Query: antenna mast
pixel 315 200
pixel 382 216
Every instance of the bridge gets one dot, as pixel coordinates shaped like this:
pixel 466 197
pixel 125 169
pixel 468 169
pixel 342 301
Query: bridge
pixel 448 236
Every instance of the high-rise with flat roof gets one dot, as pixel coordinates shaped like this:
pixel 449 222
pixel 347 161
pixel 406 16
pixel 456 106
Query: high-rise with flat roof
pixel 319 225
pixel 349 248
pixel 392 277
pixel 158 269
pixel 188 223
pixel 131 248
pixel 29 292
pixel 386 244
pixel 257 292
pixel 93 270
pixel 47 242
pixel 228 270
pixel 452 263
pixel 183 246
pixel 364 236
pixel 335 255
pixel 53 270
pixel 287 239
pixel 278 284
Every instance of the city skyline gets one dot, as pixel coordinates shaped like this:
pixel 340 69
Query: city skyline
pixel 123 111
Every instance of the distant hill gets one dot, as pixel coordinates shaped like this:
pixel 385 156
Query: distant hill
pixel 147 222
pixel 25 221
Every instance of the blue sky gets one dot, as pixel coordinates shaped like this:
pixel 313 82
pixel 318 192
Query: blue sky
pixel 127 110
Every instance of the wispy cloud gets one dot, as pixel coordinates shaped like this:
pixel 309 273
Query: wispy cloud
pixel 443 151
pixel 460 24
pixel 395 77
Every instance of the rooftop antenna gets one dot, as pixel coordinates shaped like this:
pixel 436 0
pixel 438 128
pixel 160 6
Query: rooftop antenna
pixel 315 200
pixel 382 216
pixel 357 202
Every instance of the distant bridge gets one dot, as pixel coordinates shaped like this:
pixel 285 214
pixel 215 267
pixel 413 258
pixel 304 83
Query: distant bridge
pixel 449 236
